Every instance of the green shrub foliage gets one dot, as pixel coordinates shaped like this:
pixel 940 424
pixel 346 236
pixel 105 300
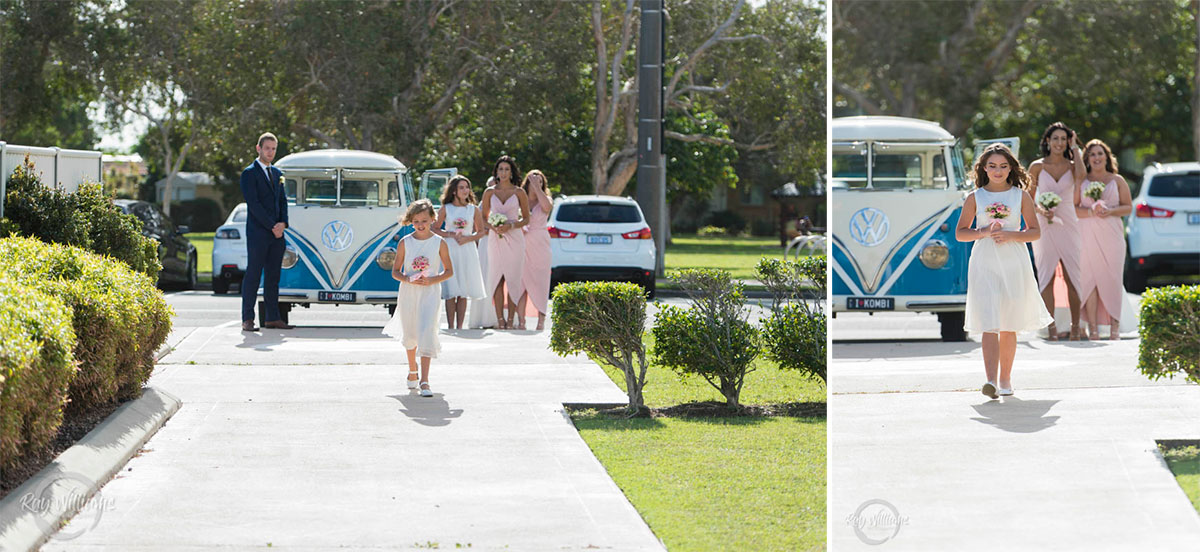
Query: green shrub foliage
pixel 120 318
pixel 36 367
pixel 605 320
pixel 794 331
pixel 712 338
pixel 1170 330
pixel 86 218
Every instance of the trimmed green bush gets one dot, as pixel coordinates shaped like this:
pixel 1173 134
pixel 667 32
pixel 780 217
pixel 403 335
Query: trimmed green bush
pixel 86 218
pixel 713 338
pixel 795 330
pixel 36 366
pixel 1170 330
pixel 711 231
pixel 603 319
pixel 120 319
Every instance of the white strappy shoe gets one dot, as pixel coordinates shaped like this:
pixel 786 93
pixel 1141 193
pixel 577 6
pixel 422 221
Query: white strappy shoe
pixel 412 383
pixel 425 390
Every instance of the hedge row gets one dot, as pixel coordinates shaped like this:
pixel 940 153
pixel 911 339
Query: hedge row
pixel 36 365
pixel 114 319
pixel 1170 330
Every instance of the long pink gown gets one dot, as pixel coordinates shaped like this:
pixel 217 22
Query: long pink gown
pixel 506 255
pixel 1060 241
pixel 536 278
pixel 1103 254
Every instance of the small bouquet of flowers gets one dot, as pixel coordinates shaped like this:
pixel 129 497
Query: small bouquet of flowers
pixel 1094 190
pixel 421 265
pixel 997 211
pixel 1049 201
pixel 497 219
pixel 460 225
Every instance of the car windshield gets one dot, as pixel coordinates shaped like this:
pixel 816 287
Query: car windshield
pixel 1176 185
pixel 598 212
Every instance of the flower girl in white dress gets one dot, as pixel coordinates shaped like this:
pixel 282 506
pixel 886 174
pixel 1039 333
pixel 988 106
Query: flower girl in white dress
pixel 1002 292
pixel 422 264
pixel 463 229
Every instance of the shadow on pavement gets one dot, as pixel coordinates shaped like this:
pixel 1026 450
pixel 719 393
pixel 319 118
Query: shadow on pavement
pixel 901 348
pixel 428 411
pixel 1017 416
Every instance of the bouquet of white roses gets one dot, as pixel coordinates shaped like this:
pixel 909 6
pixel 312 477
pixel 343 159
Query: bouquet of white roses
pixel 1049 201
pixel 497 219
pixel 1094 191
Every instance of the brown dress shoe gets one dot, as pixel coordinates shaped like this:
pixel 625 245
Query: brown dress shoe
pixel 248 326
pixel 278 325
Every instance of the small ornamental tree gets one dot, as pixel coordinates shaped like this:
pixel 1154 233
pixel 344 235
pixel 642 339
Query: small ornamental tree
pixel 713 338
pixel 605 320
pixel 794 332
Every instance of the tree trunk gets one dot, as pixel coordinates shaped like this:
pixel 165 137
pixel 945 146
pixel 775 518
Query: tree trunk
pixel 1196 91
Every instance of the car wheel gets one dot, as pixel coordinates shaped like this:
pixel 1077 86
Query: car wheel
pixel 649 285
pixel 220 285
pixel 192 277
pixel 1135 279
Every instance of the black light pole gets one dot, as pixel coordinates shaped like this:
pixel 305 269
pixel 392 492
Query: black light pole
pixel 651 172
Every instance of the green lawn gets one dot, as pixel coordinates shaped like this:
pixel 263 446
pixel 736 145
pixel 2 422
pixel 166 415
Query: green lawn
pixel 744 483
pixel 737 255
pixel 1185 464
pixel 719 484
pixel 204 244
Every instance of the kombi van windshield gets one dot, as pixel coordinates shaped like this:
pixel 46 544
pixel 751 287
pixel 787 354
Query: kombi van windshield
pixel 894 166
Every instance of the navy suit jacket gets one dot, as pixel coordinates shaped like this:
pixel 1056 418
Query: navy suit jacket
pixel 266 202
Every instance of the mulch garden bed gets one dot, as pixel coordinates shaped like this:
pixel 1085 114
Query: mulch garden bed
pixel 73 428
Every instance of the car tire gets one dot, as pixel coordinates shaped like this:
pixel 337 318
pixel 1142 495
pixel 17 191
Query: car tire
pixel 650 285
pixel 952 325
pixel 1135 279
pixel 192 277
pixel 220 285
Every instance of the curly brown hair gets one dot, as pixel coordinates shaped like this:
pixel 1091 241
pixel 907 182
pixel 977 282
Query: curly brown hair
pixel 417 207
pixel 1016 173
pixel 1110 162
pixel 450 190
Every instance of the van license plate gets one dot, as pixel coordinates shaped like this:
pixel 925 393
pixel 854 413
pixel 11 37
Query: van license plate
pixel 871 303
pixel 336 296
pixel 1193 218
pixel 600 238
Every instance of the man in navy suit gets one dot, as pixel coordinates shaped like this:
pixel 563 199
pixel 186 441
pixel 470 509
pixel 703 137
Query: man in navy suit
pixel 266 205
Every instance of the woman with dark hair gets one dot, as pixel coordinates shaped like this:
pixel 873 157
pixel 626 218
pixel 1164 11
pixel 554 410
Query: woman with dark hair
pixel 1105 200
pixel 1055 180
pixel 1002 295
pixel 505 209
pixel 536 278
pixel 463 223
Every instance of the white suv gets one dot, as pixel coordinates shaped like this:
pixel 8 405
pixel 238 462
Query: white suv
pixel 596 237
pixel 1164 228
pixel 229 251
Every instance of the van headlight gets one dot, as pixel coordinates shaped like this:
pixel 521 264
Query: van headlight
pixel 386 258
pixel 290 257
pixel 935 254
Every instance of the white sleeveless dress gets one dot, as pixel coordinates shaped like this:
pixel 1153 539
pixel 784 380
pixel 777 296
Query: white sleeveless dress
pixel 467 280
pixel 416 320
pixel 1002 291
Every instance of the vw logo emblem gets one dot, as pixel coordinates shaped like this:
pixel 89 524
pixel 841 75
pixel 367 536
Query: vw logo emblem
pixel 337 235
pixel 869 226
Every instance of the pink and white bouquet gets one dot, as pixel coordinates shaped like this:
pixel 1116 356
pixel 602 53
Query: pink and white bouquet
pixel 1048 201
pixel 460 225
pixel 497 219
pixel 421 265
pixel 997 211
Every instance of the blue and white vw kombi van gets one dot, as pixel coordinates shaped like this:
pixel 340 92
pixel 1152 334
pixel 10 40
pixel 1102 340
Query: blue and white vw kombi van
pixel 898 185
pixel 343 207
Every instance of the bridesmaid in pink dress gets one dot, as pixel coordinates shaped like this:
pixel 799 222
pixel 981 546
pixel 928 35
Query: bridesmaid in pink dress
pixel 1103 254
pixel 1060 170
pixel 536 279
pixel 506 248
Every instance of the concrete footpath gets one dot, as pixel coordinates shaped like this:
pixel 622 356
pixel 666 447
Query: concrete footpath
pixel 308 439
pixel 920 460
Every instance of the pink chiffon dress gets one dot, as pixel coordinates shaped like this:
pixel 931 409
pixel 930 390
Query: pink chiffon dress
pixel 1060 241
pixel 536 278
pixel 506 254
pixel 1103 254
